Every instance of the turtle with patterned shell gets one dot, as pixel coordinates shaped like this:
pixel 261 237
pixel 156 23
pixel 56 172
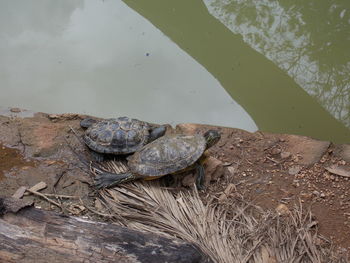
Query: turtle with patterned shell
pixel 119 136
pixel 169 154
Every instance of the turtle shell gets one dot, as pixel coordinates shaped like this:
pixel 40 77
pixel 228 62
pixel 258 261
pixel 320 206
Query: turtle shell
pixel 121 135
pixel 167 154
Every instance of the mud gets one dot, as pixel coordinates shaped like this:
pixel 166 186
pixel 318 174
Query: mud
pixel 35 149
pixel 12 159
pixel 266 169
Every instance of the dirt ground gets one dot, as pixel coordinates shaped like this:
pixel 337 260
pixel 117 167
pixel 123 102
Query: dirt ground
pixel 267 169
pixel 273 169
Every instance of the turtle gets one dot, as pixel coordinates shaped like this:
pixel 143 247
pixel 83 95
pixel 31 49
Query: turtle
pixel 118 136
pixel 169 154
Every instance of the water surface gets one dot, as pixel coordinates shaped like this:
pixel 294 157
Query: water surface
pixel 270 95
pixel 309 40
pixel 104 59
pixel 285 64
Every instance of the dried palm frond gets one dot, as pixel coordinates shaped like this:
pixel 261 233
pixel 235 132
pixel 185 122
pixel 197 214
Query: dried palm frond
pixel 234 232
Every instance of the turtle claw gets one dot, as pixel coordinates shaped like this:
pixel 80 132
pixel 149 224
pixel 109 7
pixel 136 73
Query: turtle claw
pixel 200 187
pixel 104 181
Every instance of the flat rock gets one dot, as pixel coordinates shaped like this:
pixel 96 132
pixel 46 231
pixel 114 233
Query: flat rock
pixel 309 149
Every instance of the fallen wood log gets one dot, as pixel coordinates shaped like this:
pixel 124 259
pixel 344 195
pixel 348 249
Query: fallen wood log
pixel 33 235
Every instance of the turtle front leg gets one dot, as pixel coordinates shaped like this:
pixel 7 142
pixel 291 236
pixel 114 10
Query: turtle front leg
pixel 200 176
pixel 98 157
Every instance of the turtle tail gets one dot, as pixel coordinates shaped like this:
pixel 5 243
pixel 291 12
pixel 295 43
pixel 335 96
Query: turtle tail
pixel 107 179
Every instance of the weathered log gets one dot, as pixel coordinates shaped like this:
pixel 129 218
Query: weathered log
pixel 33 235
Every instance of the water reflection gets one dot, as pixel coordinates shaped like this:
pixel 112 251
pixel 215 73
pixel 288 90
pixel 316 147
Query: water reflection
pixel 309 40
pixel 102 58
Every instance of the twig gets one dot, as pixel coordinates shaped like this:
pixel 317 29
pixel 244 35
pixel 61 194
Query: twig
pixel 58 178
pixel 44 196
pixel 273 160
pixel 94 211
pixel 63 196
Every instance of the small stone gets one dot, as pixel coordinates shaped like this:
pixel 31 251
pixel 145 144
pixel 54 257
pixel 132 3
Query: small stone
pixel 54 116
pixel 294 170
pixel 342 162
pixel 229 189
pixel 322 195
pixel 296 183
pixel 285 155
pixel 316 193
pixel 306 195
pixel 231 170
pixel 15 110
pixel 282 210
pixel 276 151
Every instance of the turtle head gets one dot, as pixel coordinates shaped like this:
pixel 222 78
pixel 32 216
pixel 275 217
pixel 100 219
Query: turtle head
pixel 87 122
pixel 212 137
pixel 157 132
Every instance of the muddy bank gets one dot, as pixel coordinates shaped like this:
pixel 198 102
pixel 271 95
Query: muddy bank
pixel 268 169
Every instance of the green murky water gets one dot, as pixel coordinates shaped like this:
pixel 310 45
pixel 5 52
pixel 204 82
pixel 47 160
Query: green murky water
pixel 104 59
pixel 285 63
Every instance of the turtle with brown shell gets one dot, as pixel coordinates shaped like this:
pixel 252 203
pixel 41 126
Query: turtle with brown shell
pixel 119 136
pixel 169 154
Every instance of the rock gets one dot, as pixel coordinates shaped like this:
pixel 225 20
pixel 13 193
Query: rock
pixel 229 189
pixel 316 193
pixel 16 110
pixel 275 151
pixel 64 117
pixel 188 128
pixel 282 210
pixel 231 170
pixel 285 155
pixel 309 149
pixel 214 169
pixel 294 170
